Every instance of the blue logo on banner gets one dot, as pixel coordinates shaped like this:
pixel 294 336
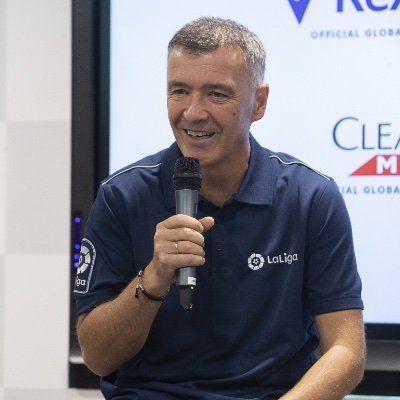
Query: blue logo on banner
pixel 299 8
pixel 373 7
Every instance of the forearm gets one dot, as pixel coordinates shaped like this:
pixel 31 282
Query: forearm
pixel 341 366
pixel 115 331
pixel 333 376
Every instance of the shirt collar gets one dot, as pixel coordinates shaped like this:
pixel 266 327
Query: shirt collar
pixel 256 187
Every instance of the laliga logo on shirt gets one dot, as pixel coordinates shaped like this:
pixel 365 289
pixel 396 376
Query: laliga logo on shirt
pixel 85 269
pixel 350 134
pixel 257 261
pixel 299 7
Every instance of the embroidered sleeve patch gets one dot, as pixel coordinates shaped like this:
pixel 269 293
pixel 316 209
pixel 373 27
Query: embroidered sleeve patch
pixel 85 268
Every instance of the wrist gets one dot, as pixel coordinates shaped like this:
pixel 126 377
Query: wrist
pixel 149 287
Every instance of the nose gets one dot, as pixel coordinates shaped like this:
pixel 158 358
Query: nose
pixel 195 109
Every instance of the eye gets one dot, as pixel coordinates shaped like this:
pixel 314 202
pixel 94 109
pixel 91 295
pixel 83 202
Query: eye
pixel 178 92
pixel 218 95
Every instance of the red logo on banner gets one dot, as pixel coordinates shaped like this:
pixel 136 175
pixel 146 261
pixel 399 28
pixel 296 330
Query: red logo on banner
pixel 387 165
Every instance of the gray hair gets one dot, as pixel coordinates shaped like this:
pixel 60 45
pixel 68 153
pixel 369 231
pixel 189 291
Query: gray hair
pixel 207 34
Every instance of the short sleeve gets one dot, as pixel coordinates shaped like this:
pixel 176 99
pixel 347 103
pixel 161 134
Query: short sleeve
pixel 106 262
pixel 331 277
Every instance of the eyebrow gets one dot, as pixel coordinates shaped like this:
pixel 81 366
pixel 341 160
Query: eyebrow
pixel 219 86
pixel 173 84
pixel 209 86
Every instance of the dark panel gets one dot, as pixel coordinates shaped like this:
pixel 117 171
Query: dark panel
pixel 82 378
pixel 90 116
pixel 380 383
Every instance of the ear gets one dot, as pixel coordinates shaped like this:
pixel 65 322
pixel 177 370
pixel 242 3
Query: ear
pixel 261 102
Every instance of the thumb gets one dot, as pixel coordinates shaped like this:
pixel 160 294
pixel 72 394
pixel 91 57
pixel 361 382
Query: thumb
pixel 207 222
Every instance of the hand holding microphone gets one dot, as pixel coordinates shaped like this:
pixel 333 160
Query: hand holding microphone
pixel 187 183
pixel 178 240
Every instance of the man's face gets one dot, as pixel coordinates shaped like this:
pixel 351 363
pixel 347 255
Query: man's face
pixel 211 105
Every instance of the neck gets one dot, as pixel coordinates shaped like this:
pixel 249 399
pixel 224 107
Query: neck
pixel 218 186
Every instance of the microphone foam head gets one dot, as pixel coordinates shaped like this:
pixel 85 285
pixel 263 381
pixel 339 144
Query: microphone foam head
pixel 187 174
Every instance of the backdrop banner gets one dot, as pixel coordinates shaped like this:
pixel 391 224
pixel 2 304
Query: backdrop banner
pixel 333 69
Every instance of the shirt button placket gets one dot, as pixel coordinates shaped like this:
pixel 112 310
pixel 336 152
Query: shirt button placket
pixel 219 246
pixel 220 259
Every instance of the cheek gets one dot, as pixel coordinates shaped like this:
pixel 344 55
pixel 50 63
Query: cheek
pixel 245 115
pixel 173 113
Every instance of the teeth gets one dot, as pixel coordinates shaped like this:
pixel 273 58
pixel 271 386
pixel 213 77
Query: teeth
pixel 199 134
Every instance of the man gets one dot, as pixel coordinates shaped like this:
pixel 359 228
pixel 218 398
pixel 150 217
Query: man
pixel 276 269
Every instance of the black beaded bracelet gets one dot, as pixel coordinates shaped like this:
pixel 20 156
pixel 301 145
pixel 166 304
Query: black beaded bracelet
pixel 140 287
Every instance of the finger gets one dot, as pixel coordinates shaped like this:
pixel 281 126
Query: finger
pixel 186 247
pixel 180 260
pixel 163 234
pixel 178 247
pixel 181 220
pixel 207 222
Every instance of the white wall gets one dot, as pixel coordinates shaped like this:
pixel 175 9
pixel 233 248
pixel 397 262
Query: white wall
pixel 35 81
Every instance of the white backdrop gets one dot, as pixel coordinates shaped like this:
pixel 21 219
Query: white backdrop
pixel 333 69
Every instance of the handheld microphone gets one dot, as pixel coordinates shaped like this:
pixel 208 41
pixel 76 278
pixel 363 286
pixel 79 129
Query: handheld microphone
pixel 187 183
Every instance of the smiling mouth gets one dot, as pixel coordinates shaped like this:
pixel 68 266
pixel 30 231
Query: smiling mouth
pixel 199 134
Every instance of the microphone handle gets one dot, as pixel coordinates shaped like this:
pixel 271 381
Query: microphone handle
pixel 186 203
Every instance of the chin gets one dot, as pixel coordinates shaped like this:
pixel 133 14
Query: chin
pixel 201 155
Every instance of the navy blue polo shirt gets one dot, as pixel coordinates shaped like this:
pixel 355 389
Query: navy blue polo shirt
pixel 280 252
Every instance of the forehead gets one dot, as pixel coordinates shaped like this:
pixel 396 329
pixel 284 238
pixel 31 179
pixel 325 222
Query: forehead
pixel 224 59
pixel 225 51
